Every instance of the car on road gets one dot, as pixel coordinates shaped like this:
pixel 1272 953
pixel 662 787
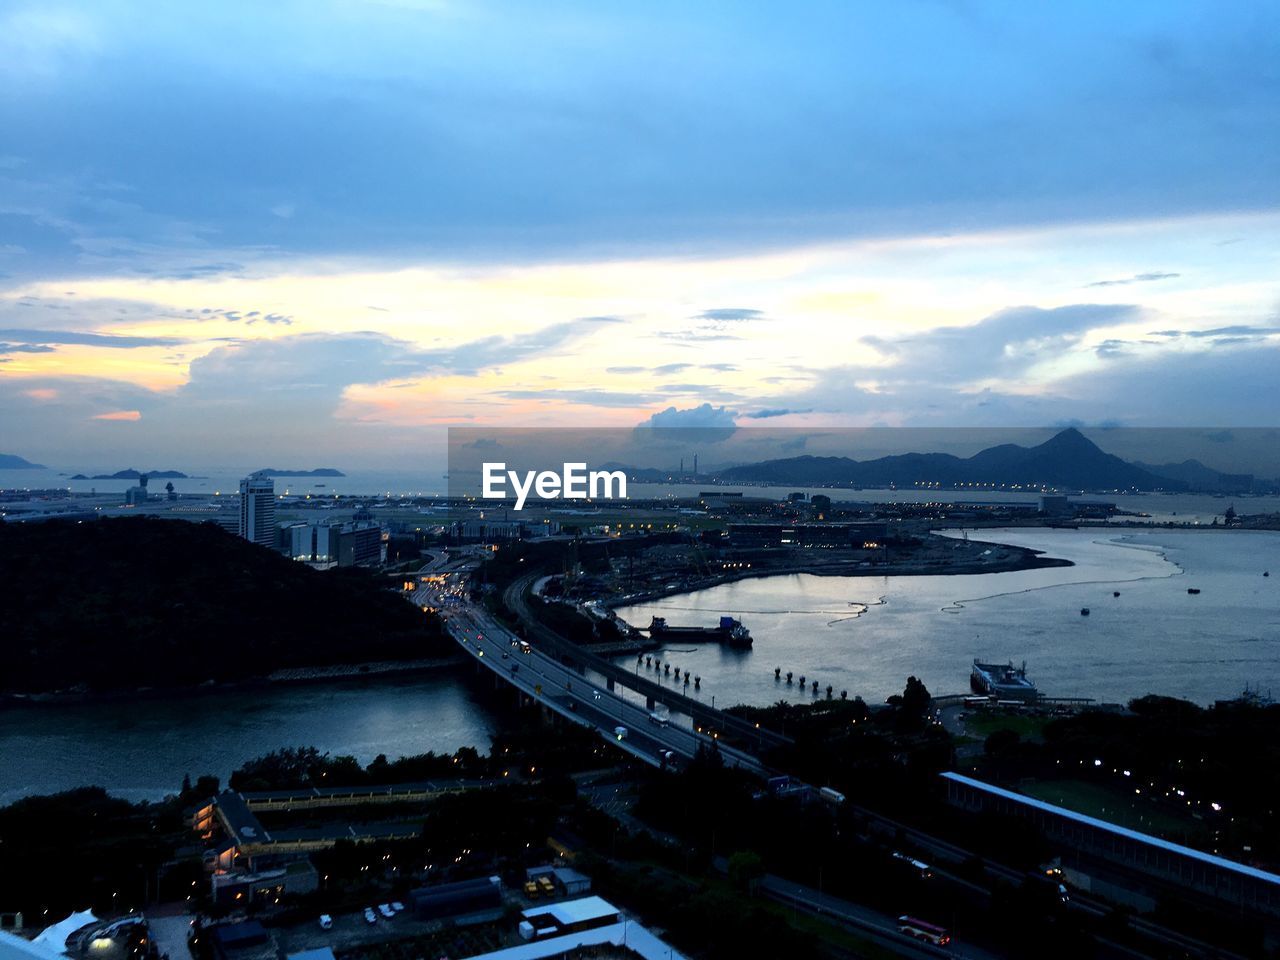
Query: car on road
pixel 596 694
pixel 369 916
pixel 326 922
pixel 620 732
pixel 386 911
pixel 397 906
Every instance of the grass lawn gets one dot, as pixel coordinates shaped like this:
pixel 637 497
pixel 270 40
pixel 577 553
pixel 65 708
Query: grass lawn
pixel 983 723
pixel 1126 810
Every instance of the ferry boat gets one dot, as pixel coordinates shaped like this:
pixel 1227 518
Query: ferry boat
pixel 730 632
pixel 1004 681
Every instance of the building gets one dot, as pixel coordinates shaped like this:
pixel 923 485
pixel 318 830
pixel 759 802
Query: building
pixel 265 886
pixel 858 536
pixel 359 545
pixel 568 916
pixel 481 896
pixel 136 496
pixel 1094 851
pixel 329 543
pixel 258 510
pixel 1055 505
pixel 567 881
pixel 296 540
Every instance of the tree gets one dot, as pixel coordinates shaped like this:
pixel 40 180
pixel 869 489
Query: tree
pixel 916 698
pixel 1002 743
pixel 745 870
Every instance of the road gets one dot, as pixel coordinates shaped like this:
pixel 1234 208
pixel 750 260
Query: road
pixel 870 923
pixel 515 597
pixel 569 693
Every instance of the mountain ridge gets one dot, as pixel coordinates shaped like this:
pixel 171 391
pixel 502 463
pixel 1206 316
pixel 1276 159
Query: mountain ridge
pixel 11 461
pixel 1068 459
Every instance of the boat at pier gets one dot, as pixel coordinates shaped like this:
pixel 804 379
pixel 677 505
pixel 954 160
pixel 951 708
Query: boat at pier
pixel 1004 681
pixel 730 632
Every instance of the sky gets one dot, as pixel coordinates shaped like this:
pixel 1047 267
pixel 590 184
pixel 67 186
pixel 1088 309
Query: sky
pixel 322 232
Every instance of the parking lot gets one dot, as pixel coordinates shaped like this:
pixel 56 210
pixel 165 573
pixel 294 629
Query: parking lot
pixel 351 930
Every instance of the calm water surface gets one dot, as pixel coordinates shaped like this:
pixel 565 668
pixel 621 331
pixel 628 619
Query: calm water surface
pixel 861 634
pixel 867 634
pixel 141 749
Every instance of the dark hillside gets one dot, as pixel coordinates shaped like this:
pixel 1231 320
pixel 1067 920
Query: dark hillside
pixel 143 602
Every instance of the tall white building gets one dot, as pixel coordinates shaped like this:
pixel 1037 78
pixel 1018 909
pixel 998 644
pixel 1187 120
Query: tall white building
pixel 258 510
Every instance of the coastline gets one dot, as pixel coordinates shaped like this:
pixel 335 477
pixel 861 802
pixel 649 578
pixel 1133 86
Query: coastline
pixel 291 676
pixel 1024 559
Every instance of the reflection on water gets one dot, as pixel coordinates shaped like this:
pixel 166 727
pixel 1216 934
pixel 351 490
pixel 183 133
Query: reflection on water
pixel 141 749
pixel 867 634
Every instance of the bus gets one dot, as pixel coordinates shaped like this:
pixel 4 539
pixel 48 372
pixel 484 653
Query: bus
pixel 928 932
pixel 923 869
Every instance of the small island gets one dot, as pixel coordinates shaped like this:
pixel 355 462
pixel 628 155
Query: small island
pixel 318 472
pixel 132 474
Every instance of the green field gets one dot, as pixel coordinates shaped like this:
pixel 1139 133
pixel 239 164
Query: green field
pixel 1123 809
pixel 983 723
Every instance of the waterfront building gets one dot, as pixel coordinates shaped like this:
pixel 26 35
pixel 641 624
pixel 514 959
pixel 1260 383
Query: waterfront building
pixel 137 495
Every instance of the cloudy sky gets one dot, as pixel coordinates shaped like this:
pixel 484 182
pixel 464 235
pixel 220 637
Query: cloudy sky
pixel 322 231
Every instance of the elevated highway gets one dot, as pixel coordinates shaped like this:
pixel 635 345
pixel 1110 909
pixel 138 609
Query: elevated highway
pixel 564 690
pixel 703 715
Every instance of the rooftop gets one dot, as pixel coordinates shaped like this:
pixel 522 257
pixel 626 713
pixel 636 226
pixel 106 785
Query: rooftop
pixel 1208 858
pixel 568 912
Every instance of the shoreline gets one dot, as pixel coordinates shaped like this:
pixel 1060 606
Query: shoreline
pixel 288 676
pixel 1026 559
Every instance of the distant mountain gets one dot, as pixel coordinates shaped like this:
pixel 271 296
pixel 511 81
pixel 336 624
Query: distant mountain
pixel 1199 477
pixel 10 461
pixel 1067 460
pixel 320 472
pixel 639 474
pixel 132 474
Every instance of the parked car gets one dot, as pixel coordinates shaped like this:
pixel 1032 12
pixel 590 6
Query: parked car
pixel 326 922
pixel 386 911
pixel 369 915
pixel 397 906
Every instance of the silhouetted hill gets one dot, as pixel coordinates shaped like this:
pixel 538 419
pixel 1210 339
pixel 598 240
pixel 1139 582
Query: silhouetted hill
pixel 1069 459
pixel 140 601
pixel 11 461
pixel 1199 477
pixel 132 474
